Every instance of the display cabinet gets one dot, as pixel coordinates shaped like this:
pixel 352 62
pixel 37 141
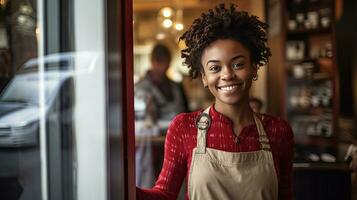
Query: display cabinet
pixel 309 75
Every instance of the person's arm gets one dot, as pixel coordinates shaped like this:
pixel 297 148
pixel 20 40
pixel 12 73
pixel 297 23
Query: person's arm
pixel 184 98
pixel 174 167
pixel 351 159
pixel 286 163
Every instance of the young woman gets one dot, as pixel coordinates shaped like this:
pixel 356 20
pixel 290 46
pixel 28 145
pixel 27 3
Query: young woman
pixel 226 151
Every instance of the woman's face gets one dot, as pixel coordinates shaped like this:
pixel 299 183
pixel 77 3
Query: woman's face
pixel 228 71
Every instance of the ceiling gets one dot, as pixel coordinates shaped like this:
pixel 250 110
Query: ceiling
pixel 152 5
pixel 147 26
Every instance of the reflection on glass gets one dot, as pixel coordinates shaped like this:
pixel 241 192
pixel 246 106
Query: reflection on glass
pixel 24 88
pixel 19 122
pixel 73 80
pixel 20 172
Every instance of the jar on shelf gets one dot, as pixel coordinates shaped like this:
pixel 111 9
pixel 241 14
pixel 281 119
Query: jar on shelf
pixel 304 99
pixel 325 17
pixel 295 50
pixel 298 71
pixel 294 98
pixel 315 97
pixel 300 19
pixel 292 24
pixel 308 69
pixel 324 128
pixel 313 18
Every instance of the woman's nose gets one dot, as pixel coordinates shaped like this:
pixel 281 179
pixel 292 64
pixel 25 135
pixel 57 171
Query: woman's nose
pixel 227 73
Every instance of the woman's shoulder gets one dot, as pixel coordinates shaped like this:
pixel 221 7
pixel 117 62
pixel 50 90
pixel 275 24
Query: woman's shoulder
pixel 186 118
pixel 277 126
pixel 273 120
pixel 183 124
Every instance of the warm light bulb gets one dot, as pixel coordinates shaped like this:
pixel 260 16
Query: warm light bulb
pixel 160 36
pixel 167 23
pixel 179 26
pixel 166 12
pixel 2 3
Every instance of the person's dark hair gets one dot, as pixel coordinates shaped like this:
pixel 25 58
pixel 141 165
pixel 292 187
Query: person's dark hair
pixel 257 101
pixel 161 53
pixel 225 23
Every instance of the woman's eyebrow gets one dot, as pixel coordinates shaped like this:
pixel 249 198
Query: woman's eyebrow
pixel 217 61
pixel 214 61
pixel 237 57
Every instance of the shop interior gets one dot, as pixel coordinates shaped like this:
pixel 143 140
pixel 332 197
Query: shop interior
pixel 310 81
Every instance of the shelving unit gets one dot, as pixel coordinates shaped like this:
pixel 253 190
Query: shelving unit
pixel 303 88
pixel 308 74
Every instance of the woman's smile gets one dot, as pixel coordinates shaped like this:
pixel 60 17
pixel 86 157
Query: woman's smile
pixel 228 71
pixel 230 87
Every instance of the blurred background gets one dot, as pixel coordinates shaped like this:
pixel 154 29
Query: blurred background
pixel 75 74
pixel 310 81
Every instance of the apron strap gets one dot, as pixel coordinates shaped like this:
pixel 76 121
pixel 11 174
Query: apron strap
pixel 203 122
pixel 263 138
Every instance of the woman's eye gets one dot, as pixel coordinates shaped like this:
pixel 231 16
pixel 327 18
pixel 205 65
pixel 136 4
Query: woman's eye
pixel 214 68
pixel 237 65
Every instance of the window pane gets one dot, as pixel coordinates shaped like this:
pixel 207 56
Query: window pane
pixel 52 106
pixel 20 165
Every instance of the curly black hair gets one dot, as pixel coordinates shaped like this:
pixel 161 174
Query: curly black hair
pixel 225 23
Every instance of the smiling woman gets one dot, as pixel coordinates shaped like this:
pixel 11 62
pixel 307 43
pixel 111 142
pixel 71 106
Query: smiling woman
pixel 226 151
pixel 227 71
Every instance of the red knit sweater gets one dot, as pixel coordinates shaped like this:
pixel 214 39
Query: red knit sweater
pixel 181 139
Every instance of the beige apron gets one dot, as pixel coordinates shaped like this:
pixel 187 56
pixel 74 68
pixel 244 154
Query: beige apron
pixel 220 175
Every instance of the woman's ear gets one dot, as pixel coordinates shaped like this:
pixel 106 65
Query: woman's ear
pixel 255 70
pixel 204 79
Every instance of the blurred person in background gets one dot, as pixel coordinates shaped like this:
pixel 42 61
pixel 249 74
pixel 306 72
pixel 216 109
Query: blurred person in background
pixel 256 104
pixel 4 69
pixel 351 159
pixel 157 100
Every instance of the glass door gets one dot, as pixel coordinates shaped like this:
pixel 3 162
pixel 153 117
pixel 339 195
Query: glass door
pixel 65 118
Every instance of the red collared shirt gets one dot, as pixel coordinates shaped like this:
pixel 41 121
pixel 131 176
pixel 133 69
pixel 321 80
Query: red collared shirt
pixel 181 140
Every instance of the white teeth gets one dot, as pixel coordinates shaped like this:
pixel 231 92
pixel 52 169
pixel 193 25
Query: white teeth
pixel 228 88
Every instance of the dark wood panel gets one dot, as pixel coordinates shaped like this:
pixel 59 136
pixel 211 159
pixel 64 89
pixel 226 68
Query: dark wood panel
pixel 322 182
pixel 120 105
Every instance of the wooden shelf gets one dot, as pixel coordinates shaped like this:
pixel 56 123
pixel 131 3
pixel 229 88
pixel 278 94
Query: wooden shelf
pixel 315 140
pixel 311 110
pixel 309 31
pixel 313 6
pixel 316 77
pixel 321 166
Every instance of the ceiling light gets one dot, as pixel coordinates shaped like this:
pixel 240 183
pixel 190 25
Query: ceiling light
pixel 166 12
pixel 167 23
pixel 179 26
pixel 160 36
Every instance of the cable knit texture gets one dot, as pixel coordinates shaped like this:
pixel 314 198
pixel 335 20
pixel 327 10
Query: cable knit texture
pixel 181 139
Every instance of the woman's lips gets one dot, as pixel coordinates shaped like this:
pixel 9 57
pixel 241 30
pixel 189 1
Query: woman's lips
pixel 229 87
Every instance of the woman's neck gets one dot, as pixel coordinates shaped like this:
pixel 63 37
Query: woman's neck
pixel 241 114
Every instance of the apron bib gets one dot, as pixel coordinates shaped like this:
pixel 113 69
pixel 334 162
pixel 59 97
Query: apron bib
pixel 221 175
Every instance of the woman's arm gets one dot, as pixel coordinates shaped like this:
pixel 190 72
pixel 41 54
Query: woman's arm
pixel 286 153
pixel 174 167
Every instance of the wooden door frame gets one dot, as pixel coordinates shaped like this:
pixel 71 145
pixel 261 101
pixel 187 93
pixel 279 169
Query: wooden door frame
pixel 120 99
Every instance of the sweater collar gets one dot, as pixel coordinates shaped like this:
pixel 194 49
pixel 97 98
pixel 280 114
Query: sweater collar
pixel 215 115
pixel 219 116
